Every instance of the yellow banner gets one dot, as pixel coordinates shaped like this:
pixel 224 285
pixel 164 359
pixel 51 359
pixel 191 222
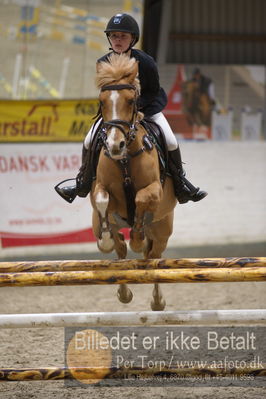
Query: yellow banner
pixel 46 120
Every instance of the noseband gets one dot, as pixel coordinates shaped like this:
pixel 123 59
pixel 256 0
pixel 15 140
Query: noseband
pixel 119 123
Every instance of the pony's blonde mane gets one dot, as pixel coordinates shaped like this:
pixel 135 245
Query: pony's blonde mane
pixel 118 68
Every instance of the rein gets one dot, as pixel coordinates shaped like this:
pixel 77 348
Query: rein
pixel 119 124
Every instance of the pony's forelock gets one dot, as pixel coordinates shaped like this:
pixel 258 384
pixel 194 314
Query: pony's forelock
pixel 119 67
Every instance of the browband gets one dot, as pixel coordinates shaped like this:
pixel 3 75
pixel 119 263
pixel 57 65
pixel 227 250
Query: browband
pixel 118 87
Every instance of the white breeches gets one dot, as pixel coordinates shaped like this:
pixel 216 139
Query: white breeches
pixel 159 118
pixel 170 139
pixel 91 133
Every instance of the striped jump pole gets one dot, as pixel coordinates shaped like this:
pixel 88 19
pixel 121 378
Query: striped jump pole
pixel 142 318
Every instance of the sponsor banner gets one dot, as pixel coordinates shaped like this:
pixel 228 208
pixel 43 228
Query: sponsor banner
pixel 46 120
pixel 32 213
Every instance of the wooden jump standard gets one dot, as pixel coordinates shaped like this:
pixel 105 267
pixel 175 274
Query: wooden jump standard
pixel 62 373
pixel 128 264
pixel 95 277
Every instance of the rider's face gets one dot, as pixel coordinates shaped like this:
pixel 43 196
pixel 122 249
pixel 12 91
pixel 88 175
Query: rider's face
pixel 120 41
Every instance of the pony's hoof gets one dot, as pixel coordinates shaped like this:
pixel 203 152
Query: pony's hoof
pixel 121 247
pixel 136 246
pixel 122 252
pixel 106 244
pixel 137 242
pixel 124 296
pixel 155 305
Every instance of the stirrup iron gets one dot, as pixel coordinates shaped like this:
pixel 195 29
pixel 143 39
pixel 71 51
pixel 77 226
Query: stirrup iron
pixel 59 191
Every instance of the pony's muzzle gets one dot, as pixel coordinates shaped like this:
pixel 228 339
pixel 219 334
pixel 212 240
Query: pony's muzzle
pixel 117 151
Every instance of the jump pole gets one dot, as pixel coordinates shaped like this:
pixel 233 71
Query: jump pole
pixel 101 277
pixel 129 264
pixel 142 318
pixel 64 373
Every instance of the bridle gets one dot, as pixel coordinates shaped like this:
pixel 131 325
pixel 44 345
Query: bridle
pixel 120 124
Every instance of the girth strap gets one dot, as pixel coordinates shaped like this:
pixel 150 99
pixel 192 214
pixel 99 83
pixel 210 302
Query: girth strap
pixel 128 186
pixel 129 190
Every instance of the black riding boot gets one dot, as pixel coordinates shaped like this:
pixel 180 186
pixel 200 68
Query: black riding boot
pixel 184 190
pixel 83 180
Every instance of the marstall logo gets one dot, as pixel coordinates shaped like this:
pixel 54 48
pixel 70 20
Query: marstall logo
pixel 27 127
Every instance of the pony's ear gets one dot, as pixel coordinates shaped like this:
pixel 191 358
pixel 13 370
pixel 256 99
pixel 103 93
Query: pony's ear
pixel 140 116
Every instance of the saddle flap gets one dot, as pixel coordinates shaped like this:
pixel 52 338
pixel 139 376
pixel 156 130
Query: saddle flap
pixel 156 137
pixel 95 148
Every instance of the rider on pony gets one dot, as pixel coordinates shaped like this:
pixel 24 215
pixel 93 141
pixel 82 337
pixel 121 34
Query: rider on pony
pixel 122 32
pixel 205 84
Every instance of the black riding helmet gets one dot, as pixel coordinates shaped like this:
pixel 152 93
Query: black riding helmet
pixel 123 23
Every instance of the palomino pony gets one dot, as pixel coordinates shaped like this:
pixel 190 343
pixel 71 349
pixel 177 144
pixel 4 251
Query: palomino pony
pixel 124 161
pixel 196 105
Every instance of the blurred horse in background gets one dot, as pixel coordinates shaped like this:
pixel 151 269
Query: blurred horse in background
pixel 197 106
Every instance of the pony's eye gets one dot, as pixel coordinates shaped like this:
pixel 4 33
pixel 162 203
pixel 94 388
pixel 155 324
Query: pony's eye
pixel 131 101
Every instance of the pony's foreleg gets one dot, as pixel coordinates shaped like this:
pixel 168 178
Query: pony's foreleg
pixel 158 302
pixel 147 200
pixel 120 245
pixel 157 237
pixel 124 293
pixel 137 234
pixel 105 240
